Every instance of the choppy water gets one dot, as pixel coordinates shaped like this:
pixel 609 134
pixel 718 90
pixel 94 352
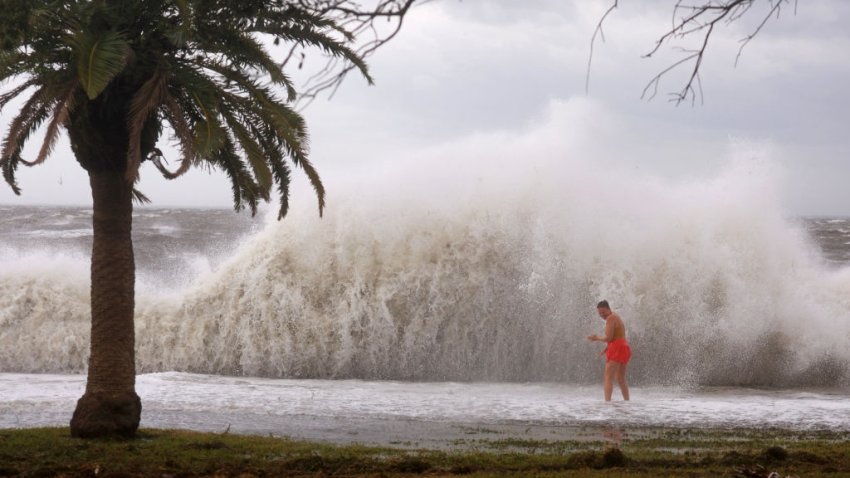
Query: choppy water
pixel 172 246
pixel 832 235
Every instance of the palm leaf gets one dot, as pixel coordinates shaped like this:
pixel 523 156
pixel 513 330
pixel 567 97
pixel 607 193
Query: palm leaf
pixel 177 119
pixel 305 35
pixel 32 115
pixel 230 172
pixel 244 50
pixel 290 126
pixel 16 136
pixel 244 188
pixel 280 169
pixel 11 63
pixel 99 59
pixel 144 103
pixel 289 129
pixel 139 197
pixel 9 167
pixel 185 13
pixel 287 125
pixel 315 181
pixel 255 154
pixel 12 94
pixel 272 149
pixel 209 135
pixel 58 118
pixel 282 176
pixel 200 98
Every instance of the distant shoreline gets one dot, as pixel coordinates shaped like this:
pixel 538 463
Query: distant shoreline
pixel 229 208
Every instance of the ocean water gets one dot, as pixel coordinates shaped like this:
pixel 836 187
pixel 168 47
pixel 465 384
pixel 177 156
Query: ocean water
pixel 448 308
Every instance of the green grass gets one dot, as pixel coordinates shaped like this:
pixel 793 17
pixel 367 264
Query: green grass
pixel 674 453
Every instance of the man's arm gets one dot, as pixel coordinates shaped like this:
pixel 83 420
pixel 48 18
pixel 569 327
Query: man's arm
pixel 609 333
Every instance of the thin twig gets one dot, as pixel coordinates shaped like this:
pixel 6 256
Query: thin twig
pixel 702 19
pixel 601 34
pixel 357 22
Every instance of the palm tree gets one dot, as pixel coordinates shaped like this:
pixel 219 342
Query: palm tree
pixel 116 75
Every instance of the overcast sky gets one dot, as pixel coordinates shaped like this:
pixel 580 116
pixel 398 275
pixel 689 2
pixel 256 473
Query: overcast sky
pixel 501 69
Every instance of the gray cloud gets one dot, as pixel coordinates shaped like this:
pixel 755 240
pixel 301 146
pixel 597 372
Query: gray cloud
pixel 464 68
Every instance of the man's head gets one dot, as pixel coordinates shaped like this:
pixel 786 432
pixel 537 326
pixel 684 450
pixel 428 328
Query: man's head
pixel 603 309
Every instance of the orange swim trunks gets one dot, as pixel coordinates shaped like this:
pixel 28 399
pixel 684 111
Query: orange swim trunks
pixel 619 351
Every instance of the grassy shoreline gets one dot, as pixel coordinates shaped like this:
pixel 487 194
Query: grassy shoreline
pixel 649 452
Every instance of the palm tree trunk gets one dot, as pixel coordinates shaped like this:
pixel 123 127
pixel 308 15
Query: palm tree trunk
pixel 110 405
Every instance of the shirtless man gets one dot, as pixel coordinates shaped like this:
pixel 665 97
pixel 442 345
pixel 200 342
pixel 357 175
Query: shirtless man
pixel 617 352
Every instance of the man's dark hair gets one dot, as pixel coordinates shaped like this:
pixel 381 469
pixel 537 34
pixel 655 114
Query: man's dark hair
pixel 603 303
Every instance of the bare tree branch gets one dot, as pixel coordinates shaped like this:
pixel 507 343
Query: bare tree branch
pixel 774 10
pixel 697 19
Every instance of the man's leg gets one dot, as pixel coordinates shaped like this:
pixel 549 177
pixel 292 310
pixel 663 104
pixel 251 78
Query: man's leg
pixel 621 380
pixel 608 380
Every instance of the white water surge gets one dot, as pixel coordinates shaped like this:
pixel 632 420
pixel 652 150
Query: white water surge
pixel 486 269
pixel 423 414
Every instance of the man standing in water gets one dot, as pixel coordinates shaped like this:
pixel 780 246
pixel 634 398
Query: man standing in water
pixel 617 353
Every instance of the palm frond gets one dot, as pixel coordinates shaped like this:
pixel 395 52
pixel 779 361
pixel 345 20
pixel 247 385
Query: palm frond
pixel 9 167
pixel 290 131
pixel 209 133
pixel 286 123
pixel 316 182
pixel 58 118
pixel 249 85
pixel 15 137
pixel 243 50
pixel 139 197
pixel 254 152
pixel 182 34
pixel 99 59
pixel 289 125
pixel 296 14
pixel 144 103
pixel 281 173
pixel 199 98
pixel 304 35
pixel 12 63
pixel 272 148
pixel 282 176
pixel 31 116
pixel 12 94
pixel 244 187
pixel 231 173
pixel 177 119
